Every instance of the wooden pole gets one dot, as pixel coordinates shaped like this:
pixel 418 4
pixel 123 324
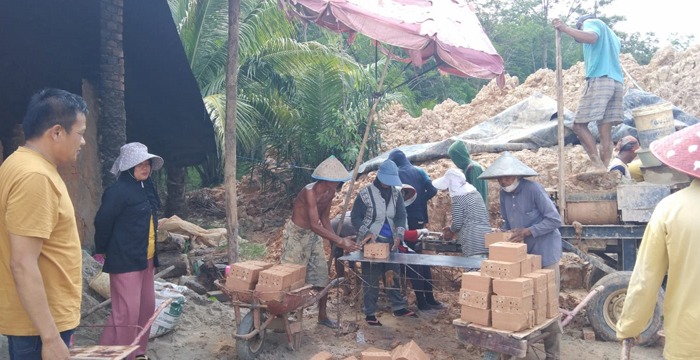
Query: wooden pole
pixel 230 130
pixel 560 129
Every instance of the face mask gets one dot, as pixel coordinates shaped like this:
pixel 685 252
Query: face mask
pixel 512 187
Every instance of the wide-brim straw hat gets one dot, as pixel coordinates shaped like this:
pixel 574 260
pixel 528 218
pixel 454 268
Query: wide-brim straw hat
pixel 507 165
pixel 680 150
pixel 132 154
pixel 409 194
pixel 331 169
pixel 388 174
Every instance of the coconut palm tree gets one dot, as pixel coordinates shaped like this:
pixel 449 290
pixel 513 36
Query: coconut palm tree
pixel 298 102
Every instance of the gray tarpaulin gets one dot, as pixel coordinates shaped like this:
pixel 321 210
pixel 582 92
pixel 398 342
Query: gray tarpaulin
pixel 529 124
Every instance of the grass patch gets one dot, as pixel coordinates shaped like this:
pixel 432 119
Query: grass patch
pixel 252 251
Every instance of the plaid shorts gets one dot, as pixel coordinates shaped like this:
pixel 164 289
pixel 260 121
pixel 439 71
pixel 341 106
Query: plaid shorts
pixel 601 102
pixel 304 247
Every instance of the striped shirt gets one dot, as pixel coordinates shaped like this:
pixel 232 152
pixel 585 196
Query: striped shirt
pixel 471 220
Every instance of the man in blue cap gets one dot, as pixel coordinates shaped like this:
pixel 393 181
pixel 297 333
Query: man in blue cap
pixel 379 215
pixel 602 96
pixel 310 224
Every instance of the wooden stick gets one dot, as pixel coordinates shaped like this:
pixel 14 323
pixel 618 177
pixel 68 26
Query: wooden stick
pixel 560 129
pixel 626 352
pixel 109 301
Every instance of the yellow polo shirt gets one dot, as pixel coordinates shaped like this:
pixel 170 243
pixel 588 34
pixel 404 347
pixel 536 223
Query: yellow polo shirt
pixel 671 244
pixel 34 202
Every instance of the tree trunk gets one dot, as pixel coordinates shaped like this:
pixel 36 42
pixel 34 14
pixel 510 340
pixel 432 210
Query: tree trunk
pixel 111 129
pixel 175 203
pixel 234 7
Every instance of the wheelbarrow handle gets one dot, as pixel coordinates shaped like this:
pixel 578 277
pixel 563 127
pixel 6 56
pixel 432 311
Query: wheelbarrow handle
pixel 626 352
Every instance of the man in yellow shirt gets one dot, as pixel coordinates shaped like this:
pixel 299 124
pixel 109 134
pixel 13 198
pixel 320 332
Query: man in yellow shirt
pixel 670 246
pixel 40 256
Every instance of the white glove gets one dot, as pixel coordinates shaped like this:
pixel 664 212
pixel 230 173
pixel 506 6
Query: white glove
pixel 422 232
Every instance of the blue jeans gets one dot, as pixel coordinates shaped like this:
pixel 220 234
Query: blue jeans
pixel 29 347
pixel 371 272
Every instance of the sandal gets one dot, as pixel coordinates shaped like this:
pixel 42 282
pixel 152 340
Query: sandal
pixel 372 321
pixel 405 313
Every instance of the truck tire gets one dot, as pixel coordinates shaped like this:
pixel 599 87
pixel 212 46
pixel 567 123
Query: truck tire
pixel 251 348
pixel 592 276
pixel 605 309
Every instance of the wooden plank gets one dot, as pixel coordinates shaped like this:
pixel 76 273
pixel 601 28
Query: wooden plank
pixel 115 352
pixel 495 341
pixel 516 335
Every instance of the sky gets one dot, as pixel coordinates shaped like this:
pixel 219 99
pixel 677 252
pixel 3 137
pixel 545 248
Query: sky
pixel 661 17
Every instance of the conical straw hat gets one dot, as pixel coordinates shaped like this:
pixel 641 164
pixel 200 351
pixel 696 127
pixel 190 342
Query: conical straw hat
pixel 507 165
pixel 331 170
pixel 680 150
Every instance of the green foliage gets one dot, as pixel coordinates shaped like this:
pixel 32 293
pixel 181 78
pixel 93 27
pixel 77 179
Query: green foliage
pixel 642 47
pixel 252 251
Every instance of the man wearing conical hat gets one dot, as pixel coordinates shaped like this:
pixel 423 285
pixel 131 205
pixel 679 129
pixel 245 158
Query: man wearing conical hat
pixel 310 224
pixel 530 215
pixel 670 246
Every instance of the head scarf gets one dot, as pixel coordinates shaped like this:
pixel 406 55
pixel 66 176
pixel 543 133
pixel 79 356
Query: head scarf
pixel 459 154
pixel 455 182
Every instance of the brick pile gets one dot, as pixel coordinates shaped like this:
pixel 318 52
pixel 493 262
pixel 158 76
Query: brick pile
pixel 408 351
pixel 511 292
pixel 269 281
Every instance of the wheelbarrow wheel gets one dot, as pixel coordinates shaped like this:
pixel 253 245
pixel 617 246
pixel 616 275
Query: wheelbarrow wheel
pixel 251 348
pixel 605 309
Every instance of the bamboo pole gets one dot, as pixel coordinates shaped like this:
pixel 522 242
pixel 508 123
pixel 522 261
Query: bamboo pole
pixel 560 129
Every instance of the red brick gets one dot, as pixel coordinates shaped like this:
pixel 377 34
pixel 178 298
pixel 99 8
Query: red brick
pixel 323 355
pixel 511 305
pixel 508 252
pixel 540 315
pixel 539 280
pixel 246 271
pixel 409 351
pixel 500 269
pixel 549 273
pixel 588 334
pixel 475 299
pixel 234 284
pixel 375 354
pixel 350 358
pixel 519 287
pixel 525 266
pixel 536 261
pixel 474 281
pixel 298 270
pixel 376 251
pixel 552 310
pixel 297 284
pixel 496 236
pixel 278 277
pixel 539 300
pixel 512 322
pixel 263 264
pixel 552 294
pixel 475 315
pixel 266 293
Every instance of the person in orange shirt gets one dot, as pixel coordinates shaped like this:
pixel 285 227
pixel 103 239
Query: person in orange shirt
pixel 125 233
pixel 40 255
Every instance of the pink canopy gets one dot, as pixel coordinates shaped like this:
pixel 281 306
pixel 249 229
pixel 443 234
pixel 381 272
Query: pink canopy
pixel 445 29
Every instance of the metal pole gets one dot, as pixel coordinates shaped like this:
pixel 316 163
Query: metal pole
pixel 560 129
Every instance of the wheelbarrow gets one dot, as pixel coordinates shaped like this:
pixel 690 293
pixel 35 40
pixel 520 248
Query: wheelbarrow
pixel 270 311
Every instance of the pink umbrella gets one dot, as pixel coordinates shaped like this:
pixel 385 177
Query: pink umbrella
pixel 447 30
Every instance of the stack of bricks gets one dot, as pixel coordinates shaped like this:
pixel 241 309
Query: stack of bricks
pixel 244 275
pixel 511 292
pixel 273 282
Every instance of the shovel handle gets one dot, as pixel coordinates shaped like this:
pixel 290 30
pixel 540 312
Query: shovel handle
pixel 626 349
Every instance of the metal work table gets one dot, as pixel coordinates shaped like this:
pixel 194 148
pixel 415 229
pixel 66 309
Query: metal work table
pixel 473 262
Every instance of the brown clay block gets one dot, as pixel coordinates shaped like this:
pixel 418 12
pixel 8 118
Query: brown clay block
pixel 376 251
pixel 410 351
pixel 512 305
pixel 297 284
pixel 263 264
pixel 475 315
pixel 519 287
pixel 500 269
pixel 539 300
pixel 588 334
pixel 375 354
pixel 540 315
pixel 234 284
pixel 535 261
pixel 246 272
pixel 299 270
pixel 508 251
pixel 552 310
pixel 323 355
pixel 350 358
pixel 539 280
pixel 550 275
pixel 475 281
pixel 475 299
pixel 525 266
pixel 496 236
pixel 512 322
pixel 266 293
pixel 552 294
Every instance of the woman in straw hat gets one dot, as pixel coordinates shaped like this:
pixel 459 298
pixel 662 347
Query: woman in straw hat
pixel 470 219
pixel 530 215
pixel 670 246
pixel 125 232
